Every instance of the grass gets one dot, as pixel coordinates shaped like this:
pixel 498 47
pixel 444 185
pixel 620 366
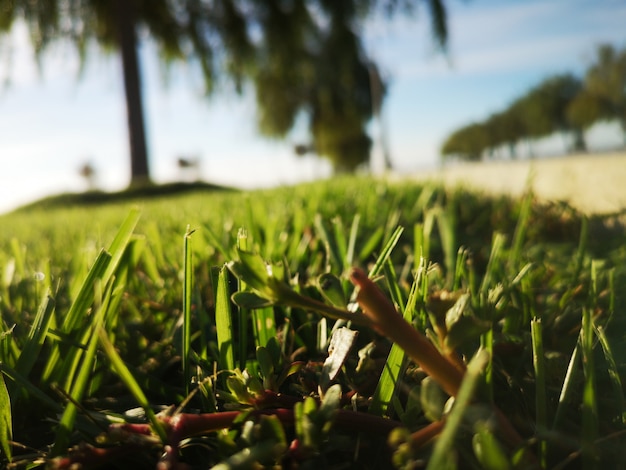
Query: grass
pixel 195 330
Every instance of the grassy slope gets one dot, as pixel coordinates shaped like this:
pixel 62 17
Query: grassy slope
pixel 309 226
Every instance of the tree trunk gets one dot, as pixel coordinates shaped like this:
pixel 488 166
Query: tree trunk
pixel 139 170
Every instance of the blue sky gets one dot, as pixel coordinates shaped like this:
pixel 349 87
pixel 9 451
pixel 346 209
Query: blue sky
pixel 52 122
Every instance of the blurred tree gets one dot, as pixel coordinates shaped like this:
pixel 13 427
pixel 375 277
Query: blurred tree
pixel 605 86
pixel 552 97
pixel 546 108
pixel 467 143
pixel 303 57
pixel 543 109
pixel 586 109
pixel 505 128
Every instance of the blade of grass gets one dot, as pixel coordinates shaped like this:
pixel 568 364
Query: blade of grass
pixel 568 386
pixel 445 224
pixel 79 385
pixel 332 250
pixel 125 375
pixel 263 325
pixel 589 403
pixel 23 383
pixel 340 241
pixel 497 248
pixel 77 310
pixel 519 235
pixel 390 376
pixel 243 313
pixel 223 322
pixel 579 259
pixel 354 230
pixel 444 446
pixel 187 297
pixel 6 422
pixel 121 240
pixel 386 252
pixel 541 406
pixel 613 371
pixel 36 337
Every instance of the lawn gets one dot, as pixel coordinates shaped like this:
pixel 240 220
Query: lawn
pixel 351 323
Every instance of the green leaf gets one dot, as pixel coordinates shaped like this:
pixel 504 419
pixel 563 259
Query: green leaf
pixel 250 300
pixel 6 433
pixel 331 289
pixel 488 450
pixel 464 329
pixel 432 399
pixel 328 407
pixel 251 269
pixel 266 365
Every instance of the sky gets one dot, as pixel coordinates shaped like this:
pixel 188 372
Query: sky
pixel 53 120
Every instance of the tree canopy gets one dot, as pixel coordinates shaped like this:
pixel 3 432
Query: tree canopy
pixel 560 103
pixel 303 57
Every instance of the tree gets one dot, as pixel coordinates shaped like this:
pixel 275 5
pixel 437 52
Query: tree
pixel 555 94
pixel 505 128
pixel 467 143
pixel 309 58
pixel 605 81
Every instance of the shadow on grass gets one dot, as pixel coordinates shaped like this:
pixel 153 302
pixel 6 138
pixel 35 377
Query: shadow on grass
pixel 147 191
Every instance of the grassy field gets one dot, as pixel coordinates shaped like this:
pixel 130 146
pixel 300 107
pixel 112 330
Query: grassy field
pixel 352 323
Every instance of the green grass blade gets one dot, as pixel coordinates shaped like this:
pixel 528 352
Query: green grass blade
pixel 589 403
pixel 263 325
pixel 582 248
pixel 332 251
pixel 224 322
pixel 130 382
pixel 616 381
pixel 121 240
pixel 517 244
pixel 187 301
pixel 569 385
pixel 444 447
pixel 386 252
pixel 394 288
pixel 77 310
pixel 6 422
pixel 243 314
pixel 33 392
pixel 497 248
pixel 372 242
pixel 79 385
pixel 340 241
pixel 446 226
pixel 354 230
pixel 394 366
pixel 541 405
pixel 36 337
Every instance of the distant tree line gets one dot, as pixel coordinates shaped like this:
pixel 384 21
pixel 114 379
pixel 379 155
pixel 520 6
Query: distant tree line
pixel 561 103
